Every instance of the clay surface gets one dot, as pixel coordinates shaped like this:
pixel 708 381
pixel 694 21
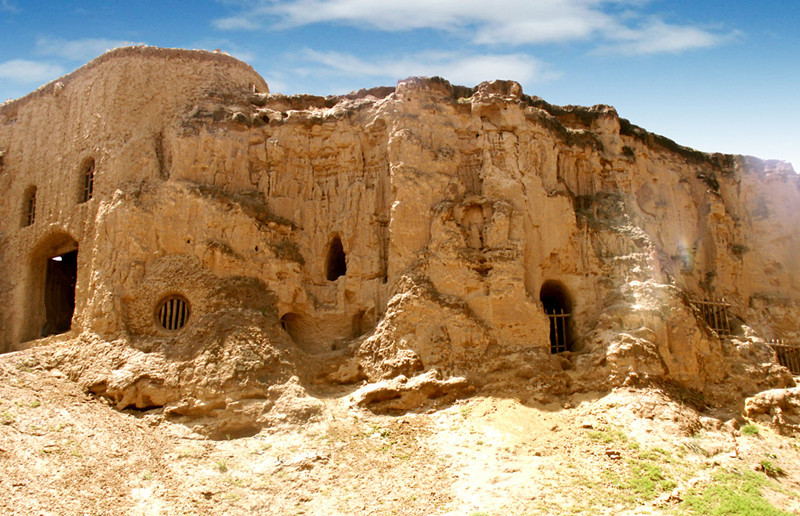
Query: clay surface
pixel 398 244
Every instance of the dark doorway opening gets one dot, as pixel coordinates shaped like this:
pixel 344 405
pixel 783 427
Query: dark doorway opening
pixel 336 264
pixel 59 292
pixel 558 307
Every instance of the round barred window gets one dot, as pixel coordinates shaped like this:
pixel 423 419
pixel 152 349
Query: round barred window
pixel 172 313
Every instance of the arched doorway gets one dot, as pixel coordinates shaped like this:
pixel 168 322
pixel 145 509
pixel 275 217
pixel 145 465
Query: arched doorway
pixel 558 307
pixel 59 291
pixel 53 272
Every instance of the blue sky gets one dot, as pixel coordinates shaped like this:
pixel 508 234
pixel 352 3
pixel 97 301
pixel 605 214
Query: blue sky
pixel 719 76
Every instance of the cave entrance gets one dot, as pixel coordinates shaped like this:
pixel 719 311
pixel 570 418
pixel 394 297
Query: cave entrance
pixel 558 307
pixel 336 263
pixel 59 292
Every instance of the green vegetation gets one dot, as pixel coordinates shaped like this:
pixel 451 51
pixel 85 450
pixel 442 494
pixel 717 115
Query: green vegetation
pixel 643 481
pixel 607 436
pixel 647 480
pixel 657 454
pixel 749 429
pixel 730 493
pixel 770 469
pixel 222 466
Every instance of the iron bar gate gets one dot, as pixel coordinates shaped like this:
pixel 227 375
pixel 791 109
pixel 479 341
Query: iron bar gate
pixel 788 354
pixel 716 314
pixel 558 329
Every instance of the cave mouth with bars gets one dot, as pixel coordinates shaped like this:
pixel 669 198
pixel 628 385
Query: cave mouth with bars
pixel 558 307
pixel 59 294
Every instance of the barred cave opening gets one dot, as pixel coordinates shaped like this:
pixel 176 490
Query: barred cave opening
pixel 557 305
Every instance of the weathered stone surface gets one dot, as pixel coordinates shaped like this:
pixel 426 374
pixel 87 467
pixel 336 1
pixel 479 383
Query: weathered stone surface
pixel 321 242
pixel 779 407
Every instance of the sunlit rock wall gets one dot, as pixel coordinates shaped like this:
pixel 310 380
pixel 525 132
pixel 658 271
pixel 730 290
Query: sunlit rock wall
pixel 393 231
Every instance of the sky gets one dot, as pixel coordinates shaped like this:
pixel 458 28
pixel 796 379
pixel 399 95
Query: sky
pixel 718 76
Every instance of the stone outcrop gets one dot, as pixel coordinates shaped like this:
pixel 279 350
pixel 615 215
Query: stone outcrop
pixel 422 235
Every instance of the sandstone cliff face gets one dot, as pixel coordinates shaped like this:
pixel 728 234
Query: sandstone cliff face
pixel 418 231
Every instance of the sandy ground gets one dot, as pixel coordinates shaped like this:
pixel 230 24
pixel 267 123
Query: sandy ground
pixel 625 452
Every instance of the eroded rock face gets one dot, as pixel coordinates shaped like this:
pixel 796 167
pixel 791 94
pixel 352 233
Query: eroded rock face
pixel 423 232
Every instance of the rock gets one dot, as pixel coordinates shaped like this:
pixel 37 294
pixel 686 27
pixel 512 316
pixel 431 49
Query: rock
pixel 778 407
pixel 403 394
pixel 192 242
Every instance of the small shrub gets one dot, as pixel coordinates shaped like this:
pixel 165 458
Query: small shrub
pixel 770 469
pixel 749 429
pixel 222 466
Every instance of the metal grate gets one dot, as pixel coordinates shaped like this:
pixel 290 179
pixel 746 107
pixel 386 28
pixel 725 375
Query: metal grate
pixel 173 312
pixel 88 182
pixel 788 355
pixel 716 315
pixel 558 329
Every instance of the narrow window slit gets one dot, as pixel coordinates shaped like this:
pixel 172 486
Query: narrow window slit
pixel 88 181
pixel 29 207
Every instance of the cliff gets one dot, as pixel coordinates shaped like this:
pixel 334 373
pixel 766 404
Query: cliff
pixel 242 254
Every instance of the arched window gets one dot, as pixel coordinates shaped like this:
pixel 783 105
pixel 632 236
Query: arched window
pixel 558 307
pixel 336 264
pixel 29 207
pixel 87 180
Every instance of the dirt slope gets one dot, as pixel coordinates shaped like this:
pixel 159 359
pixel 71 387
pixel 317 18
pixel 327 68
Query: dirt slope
pixel 624 452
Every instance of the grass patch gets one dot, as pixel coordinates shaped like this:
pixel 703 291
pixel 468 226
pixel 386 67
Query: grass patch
pixel 749 429
pixel 237 482
pixel 656 454
pixel 647 480
pixel 607 436
pixel 222 466
pixel 730 493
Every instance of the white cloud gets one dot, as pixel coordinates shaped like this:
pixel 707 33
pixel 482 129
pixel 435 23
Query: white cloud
pixel 611 23
pixel 8 6
pixel 236 23
pixel 24 71
pixel 466 69
pixel 659 37
pixel 77 49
